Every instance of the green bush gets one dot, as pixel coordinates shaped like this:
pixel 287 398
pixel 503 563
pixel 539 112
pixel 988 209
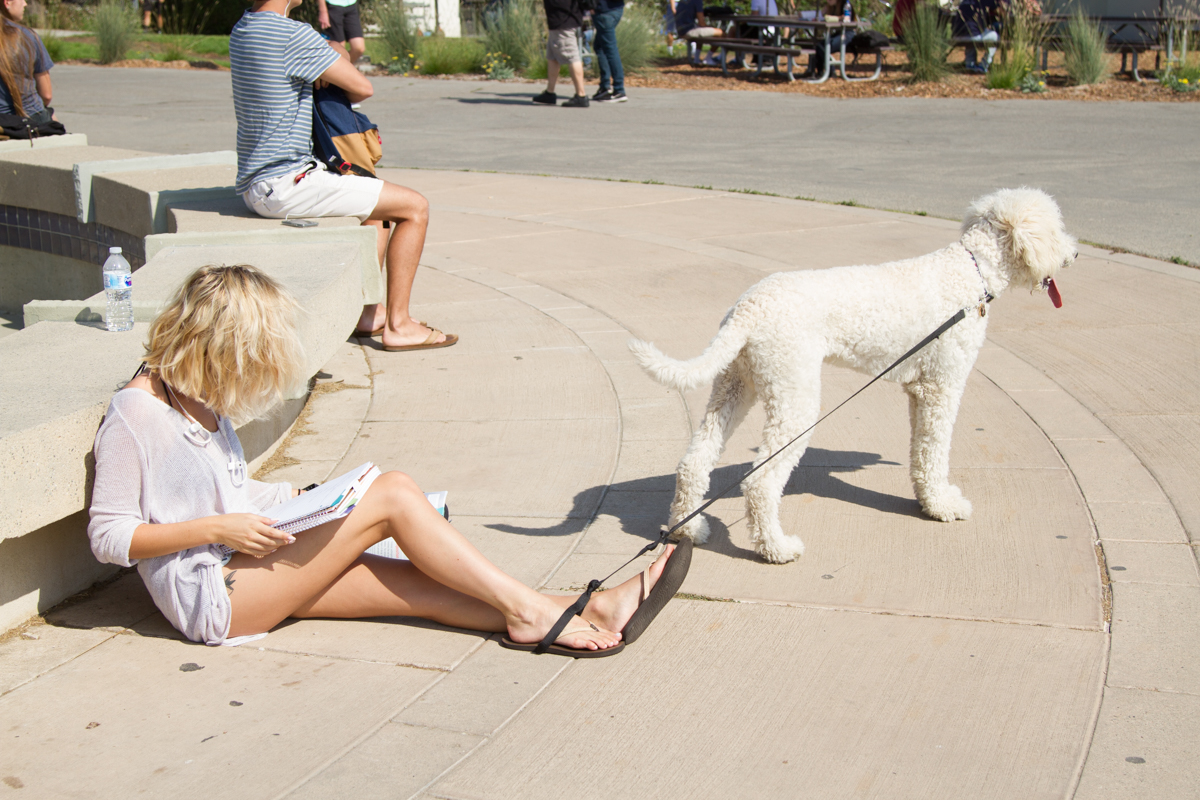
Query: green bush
pixel 440 55
pixel 173 53
pixel 927 43
pixel 1020 40
pixel 115 22
pixel 398 35
pixel 637 36
pixel 1084 55
pixel 517 28
pixel 54 46
pixel 1182 78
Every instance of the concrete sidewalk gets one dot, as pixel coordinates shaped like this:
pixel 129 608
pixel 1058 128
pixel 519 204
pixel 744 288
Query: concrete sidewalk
pixel 898 658
pixel 1123 172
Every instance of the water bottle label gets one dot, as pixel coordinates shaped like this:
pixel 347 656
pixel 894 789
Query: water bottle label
pixel 118 280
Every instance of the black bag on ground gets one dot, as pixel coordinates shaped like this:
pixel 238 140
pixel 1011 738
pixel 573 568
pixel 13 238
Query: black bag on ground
pixel 867 42
pixel 39 123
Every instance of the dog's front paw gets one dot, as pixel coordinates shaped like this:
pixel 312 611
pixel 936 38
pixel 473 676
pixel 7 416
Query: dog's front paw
pixel 781 550
pixel 697 530
pixel 947 505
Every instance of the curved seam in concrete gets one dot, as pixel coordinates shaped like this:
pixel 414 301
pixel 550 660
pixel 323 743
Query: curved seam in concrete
pixel 1101 564
pixel 591 518
pixel 488 738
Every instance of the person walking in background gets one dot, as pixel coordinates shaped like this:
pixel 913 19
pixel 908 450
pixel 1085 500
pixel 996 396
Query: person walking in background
pixel 564 18
pixel 150 10
pixel 612 75
pixel 25 90
pixel 341 20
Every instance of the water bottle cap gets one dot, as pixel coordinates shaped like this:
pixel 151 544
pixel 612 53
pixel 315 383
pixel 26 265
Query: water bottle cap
pixel 114 250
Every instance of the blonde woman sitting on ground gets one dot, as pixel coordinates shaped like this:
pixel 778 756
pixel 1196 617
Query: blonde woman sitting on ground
pixel 172 495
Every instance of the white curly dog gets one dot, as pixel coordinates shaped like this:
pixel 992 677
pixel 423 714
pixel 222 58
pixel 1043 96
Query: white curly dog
pixel 772 342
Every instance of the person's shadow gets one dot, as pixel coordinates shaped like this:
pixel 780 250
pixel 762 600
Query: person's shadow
pixel 499 98
pixel 642 505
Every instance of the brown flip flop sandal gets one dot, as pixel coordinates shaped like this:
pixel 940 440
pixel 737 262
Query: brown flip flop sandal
pixel 430 343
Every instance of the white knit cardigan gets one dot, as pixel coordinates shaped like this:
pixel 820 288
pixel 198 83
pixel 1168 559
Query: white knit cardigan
pixel 153 465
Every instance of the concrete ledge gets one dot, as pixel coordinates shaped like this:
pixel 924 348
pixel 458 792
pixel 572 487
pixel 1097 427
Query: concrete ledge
pixel 230 214
pixel 59 378
pixel 45 143
pixel 29 274
pixel 43 178
pixel 343 231
pixel 84 171
pixel 324 276
pixel 38 570
pixel 137 202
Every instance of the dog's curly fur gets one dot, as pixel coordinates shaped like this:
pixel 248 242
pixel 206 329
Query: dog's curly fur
pixel 772 342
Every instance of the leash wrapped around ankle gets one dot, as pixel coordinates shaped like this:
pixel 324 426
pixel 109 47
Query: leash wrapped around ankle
pixel 665 532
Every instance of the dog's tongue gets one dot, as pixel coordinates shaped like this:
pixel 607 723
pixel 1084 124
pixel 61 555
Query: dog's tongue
pixel 1055 297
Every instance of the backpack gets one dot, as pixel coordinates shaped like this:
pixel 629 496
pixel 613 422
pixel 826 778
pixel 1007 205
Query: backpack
pixel 343 139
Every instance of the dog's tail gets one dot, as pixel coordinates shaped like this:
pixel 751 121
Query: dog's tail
pixel 684 375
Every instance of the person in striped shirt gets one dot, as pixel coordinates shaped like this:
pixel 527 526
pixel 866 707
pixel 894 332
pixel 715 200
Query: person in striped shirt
pixel 275 62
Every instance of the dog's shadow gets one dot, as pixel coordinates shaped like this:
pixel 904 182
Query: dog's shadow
pixel 641 506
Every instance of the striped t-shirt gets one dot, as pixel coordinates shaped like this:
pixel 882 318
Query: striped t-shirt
pixel 274 61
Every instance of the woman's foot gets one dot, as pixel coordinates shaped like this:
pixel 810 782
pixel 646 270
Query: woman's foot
pixel 580 634
pixel 612 609
pixel 374 318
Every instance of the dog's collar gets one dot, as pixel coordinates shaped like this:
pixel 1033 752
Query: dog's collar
pixel 987 295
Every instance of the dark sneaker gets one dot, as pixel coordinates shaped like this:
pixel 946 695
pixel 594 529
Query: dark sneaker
pixel 602 96
pixel 617 97
pixel 578 101
pixel 546 99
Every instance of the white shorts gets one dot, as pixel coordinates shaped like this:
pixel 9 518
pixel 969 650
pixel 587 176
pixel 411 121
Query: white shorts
pixel 319 193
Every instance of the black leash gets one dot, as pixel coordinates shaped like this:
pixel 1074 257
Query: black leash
pixel 578 606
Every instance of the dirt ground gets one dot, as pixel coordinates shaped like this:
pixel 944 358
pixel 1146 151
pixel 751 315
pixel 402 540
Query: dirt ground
pixel 893 83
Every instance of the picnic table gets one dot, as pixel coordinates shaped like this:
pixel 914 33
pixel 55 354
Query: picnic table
pixel 791 37
pixel 1128 36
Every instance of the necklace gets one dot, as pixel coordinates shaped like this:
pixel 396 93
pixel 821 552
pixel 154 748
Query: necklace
pixel 200 435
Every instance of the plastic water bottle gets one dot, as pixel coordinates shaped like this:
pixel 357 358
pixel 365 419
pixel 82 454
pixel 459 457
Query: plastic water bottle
pixel 118 291
pixel 847 11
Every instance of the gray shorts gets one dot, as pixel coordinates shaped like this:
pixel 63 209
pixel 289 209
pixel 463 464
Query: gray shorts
pixel 563 46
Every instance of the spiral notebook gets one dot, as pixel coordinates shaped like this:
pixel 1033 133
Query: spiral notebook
pixel 337 498
pixel 329 501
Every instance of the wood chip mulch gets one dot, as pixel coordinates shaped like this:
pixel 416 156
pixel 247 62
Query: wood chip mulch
pixel 895 82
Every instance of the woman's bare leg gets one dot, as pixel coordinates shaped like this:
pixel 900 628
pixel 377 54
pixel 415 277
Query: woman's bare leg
pixel 266 591
pixel 382 587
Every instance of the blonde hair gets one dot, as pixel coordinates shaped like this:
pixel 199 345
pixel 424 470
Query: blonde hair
pixel 228 339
